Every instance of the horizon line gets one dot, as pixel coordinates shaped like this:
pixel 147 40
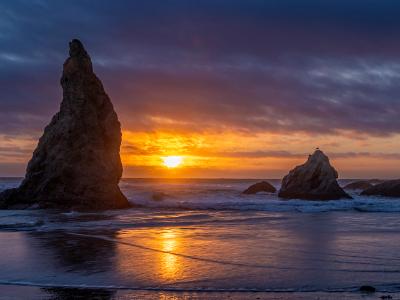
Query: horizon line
pixel 216 178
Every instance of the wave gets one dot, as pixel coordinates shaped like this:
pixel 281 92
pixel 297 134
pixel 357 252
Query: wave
pixel 234 200
pixel 226 194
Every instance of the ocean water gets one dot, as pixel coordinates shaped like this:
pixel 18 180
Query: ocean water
pixel 203 239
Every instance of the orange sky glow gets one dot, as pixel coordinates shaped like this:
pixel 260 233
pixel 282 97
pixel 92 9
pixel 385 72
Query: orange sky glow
pixel 264 155
pixel 232 154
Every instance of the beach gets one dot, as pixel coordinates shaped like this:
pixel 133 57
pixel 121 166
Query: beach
pixel 202 240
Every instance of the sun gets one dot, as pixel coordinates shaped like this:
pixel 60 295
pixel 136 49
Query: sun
pixel 172 161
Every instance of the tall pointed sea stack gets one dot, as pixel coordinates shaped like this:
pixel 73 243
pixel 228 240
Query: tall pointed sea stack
pixel 314 180
pixel 77 163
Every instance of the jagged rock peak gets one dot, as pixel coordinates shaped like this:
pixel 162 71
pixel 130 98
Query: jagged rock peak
pixel 78 61
pixel 76 49
pixel 314 180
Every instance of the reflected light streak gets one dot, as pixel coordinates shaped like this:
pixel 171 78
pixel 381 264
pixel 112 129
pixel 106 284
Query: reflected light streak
pixel 169 264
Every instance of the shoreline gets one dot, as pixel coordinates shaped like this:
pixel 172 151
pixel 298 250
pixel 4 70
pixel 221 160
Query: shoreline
pixel 40 291
pixel 84 267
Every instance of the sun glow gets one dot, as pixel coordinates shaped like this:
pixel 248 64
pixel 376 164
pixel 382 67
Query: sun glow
pixel 172 161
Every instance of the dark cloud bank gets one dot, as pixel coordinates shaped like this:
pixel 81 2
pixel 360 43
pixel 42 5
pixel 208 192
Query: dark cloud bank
pixel 253 66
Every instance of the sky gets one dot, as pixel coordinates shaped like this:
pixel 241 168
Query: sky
pixel 242 89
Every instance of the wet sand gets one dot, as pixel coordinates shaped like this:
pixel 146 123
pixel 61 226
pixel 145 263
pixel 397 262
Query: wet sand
pixel 249 251
pixel 198 255
pixel 36 293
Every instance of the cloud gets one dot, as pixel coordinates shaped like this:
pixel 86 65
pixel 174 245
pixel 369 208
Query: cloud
pixel 249 66
pixel 12 169
pixel 194 150
pixel 380 155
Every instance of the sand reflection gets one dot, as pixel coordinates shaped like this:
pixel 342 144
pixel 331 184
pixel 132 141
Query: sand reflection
pixel 169 263
pixel 156 251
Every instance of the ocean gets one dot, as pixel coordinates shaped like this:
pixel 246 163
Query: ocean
pixel 203 239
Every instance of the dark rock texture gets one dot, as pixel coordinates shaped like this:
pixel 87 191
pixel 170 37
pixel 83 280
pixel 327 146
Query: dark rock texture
pixel 76 164
pixel 314 180
pixel 158 196
pixel 262 186
pixel 390 188
pixel 375 181
pixel 358 185
pixel 367 289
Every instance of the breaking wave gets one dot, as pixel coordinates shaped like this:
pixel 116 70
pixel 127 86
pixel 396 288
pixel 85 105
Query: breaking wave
pixel 227 195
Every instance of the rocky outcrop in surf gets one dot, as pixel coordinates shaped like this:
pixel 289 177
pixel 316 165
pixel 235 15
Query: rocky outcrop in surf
pixel 375 181
pixel 314 180
pixel 390 188
pixel 258 187
pixel 358 185
pixel 76 164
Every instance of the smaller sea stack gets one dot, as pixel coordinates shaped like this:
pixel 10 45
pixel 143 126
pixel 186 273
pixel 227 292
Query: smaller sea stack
pixel 390 188
pixel 314 180
pixel 258 187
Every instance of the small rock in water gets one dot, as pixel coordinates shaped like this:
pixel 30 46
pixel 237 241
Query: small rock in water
pixel 358 185
pixel 262 186
pixel 375 181
pixel 390 188
pixel 158 196
pixel 314 180
pixel 367 289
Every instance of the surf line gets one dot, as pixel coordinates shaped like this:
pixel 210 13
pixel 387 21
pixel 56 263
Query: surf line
pixel 177 289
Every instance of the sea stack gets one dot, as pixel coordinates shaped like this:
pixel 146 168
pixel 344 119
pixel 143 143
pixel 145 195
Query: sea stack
pixel 77 163
pixel 314 180
pixel 262 186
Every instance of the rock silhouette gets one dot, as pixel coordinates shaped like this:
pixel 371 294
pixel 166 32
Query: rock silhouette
pixel 76 164
pixel 158 196
pixel 367 289
pixel 390 188
pixel 358 185
pixel 262 186
pixel 375 181
pixel 314 180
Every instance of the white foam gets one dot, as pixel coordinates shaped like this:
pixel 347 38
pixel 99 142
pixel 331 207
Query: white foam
pixel 234 200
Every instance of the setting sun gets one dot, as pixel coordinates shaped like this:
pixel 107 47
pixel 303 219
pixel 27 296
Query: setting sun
pixel 172 161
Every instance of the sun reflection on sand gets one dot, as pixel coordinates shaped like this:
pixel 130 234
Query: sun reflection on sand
pixel 159 264
pixel 169 264
pixel 231 256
